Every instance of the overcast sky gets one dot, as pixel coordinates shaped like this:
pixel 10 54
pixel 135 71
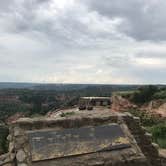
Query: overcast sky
pixel 83 41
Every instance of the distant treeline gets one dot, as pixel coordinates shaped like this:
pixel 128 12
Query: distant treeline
pixel 58 87
pixel 147 93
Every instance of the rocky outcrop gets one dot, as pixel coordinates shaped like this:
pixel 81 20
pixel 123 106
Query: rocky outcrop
pixel 156 108
pixel 120 104
pixel 7 159
pixel 14 117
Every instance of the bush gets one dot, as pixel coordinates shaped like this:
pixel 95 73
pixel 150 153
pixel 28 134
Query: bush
pixel 67 114
pixel 144 94
pixel 160 95
pixel 159 134
pixel 159 131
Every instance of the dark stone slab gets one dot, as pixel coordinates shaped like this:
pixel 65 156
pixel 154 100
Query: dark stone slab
pixel 76 141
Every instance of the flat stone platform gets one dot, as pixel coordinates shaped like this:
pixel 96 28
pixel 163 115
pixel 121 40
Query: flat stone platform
pixel 80 138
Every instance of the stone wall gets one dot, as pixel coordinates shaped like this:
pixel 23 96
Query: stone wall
pixel 7 159
pixel 144 140
pixel 19 139
pixel 141 153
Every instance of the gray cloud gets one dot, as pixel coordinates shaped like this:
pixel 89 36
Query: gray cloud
pixel 82 41
pixel 151 54
pixel 5 5
pixel 66 28
pixel 142 19
pixel 118 61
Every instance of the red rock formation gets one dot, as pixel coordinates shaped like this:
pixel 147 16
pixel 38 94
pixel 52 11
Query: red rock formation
pixel 156 107
pixel 121 104
pixel 14 117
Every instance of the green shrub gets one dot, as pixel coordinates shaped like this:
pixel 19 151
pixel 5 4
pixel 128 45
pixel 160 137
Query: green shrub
pixel 159 131
pixel 160 95
pixel 161 142
pixel 144 94
pixel 159 134
pixel 67 114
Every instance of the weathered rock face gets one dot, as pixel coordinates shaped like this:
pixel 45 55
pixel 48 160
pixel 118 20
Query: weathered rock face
pixel 14 117
pixel 88 138
pixel 121 104
pixel 20 156
pixel 156 108
pixel 7 159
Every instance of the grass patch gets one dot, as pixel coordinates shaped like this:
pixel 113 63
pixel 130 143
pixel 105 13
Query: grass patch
pixel 159 134
pixel 161 142
pixel 36 115
pixel 67 114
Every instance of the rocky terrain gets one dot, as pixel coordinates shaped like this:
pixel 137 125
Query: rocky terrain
pixel 156 107
pixel 121 104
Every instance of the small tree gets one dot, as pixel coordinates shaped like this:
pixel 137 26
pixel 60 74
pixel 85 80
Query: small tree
pixel 144 94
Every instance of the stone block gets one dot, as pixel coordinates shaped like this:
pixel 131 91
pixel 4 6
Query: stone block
pixel 21 156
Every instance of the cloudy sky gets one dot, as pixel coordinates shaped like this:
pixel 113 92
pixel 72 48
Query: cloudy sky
pixel 83 41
